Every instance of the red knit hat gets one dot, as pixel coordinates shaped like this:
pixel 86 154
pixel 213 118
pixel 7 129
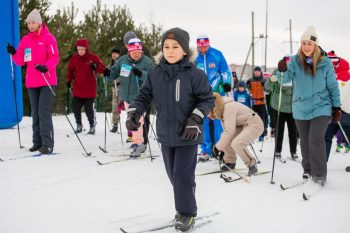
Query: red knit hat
pixel 203 40
pixel 134 44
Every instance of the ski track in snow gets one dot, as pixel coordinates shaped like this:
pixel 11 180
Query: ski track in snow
pixel 70 193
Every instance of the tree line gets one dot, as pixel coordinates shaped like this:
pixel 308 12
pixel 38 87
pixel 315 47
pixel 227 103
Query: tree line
pixel 103 27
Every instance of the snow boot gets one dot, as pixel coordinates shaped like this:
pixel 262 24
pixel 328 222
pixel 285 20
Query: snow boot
pixel 339 147
pixel 294 156
pixel 92 130
pixel 34 148
pixel 347 149
pixel 114 129
pixel 228 166
pixel 204 157
pixel 46 150
pixel 306 175
pixel 79 128
pixel 252 170
pixel 321 180
pixel 137 150
pixel 278 155
pixel 184 223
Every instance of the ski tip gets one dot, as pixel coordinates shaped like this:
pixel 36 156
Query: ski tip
pixel 282 187
pixel 100 163
pixel 122 230
pixel 305 197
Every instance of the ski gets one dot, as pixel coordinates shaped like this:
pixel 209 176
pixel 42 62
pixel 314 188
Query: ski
pixel 103 150
pixel 172 224
pixel 218 171
pixel 229 179
pixel 294 160
pixel 310 193
pixel 126 158
pixel 283 187
pixel 27 156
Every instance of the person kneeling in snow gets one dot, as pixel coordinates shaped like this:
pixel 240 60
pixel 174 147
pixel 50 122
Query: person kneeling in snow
pixel 241 126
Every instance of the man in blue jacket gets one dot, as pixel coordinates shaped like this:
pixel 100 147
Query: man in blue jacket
pixel 213 63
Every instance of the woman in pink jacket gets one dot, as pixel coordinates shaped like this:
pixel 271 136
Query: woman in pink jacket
pixel 38 51
pixel 241 126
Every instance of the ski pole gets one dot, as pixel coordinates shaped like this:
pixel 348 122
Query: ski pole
pixel 276 132
pixel 342 130
pixel 87 154
pixel 105 107
pixel 257 159
pixel 48 83
pixel 15 98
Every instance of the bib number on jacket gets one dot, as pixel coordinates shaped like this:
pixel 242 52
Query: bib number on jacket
pixel 27 54
pixel 125 70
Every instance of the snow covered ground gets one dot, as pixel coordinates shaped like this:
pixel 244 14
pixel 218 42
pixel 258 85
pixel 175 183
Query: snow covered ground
pixel 70 193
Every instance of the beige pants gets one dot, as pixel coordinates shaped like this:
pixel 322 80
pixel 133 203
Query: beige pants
pixel 244 135
pixel 115 103
pixel 137 136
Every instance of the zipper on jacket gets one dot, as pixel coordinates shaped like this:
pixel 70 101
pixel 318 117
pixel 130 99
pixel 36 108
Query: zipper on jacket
pixel 177 90
pixel 205 63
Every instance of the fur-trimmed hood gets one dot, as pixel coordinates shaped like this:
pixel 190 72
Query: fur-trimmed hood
pixel 218 110
pixel 192 56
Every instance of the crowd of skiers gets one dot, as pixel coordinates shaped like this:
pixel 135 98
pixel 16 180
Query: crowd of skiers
pixel 198 101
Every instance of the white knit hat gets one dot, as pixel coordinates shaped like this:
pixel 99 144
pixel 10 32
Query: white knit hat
pixel 310 34
pixel 34 15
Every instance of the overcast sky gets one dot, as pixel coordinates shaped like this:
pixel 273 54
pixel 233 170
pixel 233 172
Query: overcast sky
pixel 229 23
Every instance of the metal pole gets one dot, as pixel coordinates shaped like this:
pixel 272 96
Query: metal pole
pixel 290 36
pixel 266 36
pixel 253 52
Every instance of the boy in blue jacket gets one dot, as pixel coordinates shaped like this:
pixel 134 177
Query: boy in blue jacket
pixel 241 95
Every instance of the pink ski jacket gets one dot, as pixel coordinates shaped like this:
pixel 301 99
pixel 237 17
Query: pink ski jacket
pixel 38 48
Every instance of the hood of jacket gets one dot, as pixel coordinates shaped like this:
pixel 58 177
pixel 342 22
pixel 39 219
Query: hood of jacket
pixel 82 43
pixel 43 30
pixel 191 57
pixel 219 106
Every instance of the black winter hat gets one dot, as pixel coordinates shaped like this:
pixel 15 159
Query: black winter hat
pixel 180 36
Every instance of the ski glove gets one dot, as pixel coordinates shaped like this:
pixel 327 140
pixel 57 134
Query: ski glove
pixel 137 72
pixel 41 68
pixel 93 66
pixel 133 120
pixel 69 84
pixel 336 114
pixel 107 72
pixel 10 49
pixel 282 65
pixel 227 87
pixel 217 154
pixel 191 128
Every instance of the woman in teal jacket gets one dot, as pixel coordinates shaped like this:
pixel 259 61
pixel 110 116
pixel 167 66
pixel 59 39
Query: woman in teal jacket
pixel 315 99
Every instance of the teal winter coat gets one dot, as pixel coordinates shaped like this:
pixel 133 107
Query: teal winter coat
pixel 129 84
pixel 313 96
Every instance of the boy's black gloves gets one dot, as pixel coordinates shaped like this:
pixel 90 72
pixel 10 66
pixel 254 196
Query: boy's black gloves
pixel 227 87
pixel 133 120
pixel 69 84
pixel 217 154
pixel 191 128
pixel 10 49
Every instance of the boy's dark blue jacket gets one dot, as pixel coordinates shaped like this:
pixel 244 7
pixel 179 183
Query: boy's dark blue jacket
pixel 176 90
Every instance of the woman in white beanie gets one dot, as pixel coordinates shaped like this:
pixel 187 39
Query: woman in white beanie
pixel 315 102
pixel 38 51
